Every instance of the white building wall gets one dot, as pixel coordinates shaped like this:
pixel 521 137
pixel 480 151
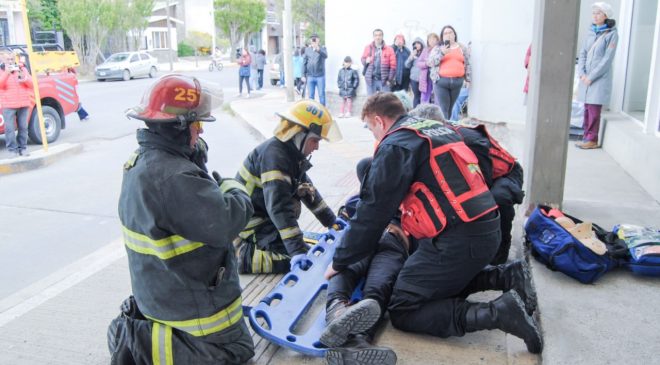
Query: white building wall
pixel 501 33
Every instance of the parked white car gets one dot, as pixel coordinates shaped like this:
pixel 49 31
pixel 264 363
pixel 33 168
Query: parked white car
pixel 127 65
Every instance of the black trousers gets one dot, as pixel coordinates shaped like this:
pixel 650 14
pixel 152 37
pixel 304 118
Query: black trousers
pixel 507 214
pixel 430 291
pixel 417 95
pixel 379 271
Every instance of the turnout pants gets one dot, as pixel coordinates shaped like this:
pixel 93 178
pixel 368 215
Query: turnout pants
pixel 430 291
pixel 141 341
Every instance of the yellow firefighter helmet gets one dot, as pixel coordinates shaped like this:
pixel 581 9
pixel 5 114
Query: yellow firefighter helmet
pixel 307 115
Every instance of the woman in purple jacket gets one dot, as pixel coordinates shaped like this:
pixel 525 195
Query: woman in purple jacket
pixel 425 84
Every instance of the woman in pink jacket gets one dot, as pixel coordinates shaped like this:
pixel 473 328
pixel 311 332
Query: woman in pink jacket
pixel 16 98
pixel 425 84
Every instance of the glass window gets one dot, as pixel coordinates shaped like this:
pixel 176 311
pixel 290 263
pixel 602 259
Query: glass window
pixel 159 40
pixel 144 57
pixel 639 57
pixel 135 58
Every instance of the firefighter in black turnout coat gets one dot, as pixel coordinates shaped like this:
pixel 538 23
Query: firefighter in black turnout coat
pixel 275 175
pixel 178 225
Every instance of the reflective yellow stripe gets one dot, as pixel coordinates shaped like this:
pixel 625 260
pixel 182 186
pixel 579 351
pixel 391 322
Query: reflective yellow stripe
pixel 290 232
pixel 255 221
pixel 256 261
pixel 251 181
pixel 246 234
pixel 164 248
pixel 274 175
pixel 319 207
pixel 161 344
pixel 208 325
pixel 232 184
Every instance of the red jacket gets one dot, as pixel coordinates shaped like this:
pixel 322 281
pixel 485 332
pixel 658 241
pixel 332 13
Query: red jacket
pixel 15 93
pixel 387 62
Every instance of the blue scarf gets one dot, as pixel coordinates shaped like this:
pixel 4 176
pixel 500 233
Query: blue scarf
pixel 598 28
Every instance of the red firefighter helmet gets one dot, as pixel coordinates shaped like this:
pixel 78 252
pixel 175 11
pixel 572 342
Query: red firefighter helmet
pixel 175 98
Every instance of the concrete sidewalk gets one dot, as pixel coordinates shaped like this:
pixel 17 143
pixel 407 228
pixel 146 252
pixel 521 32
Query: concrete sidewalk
pixel 608 322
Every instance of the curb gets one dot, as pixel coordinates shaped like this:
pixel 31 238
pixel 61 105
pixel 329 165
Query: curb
pixel 252 129
pixel 38 159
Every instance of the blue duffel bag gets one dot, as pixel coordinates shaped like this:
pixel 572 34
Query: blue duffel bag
pixel 559 250
pixel 642 249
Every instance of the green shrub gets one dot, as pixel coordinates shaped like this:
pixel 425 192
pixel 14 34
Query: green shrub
pixel 185 50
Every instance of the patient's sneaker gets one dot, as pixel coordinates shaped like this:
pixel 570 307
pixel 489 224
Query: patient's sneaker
pixel 342 320
pixel 358 351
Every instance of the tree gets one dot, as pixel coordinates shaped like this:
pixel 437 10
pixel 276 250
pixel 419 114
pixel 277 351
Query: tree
pixel 45 12
pixel 238 18
pixel 311 12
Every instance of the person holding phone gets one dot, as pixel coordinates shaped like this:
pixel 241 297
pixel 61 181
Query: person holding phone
pixel 314 68
pixel 450 69
pixel 16 97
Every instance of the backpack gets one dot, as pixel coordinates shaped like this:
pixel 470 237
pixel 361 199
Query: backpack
pixel 553 245
pixel 642 249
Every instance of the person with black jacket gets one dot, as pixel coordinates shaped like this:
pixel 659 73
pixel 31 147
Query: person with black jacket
pixel 178 224
pixel 444 199
pixel 347 82
pixel 314 68
pixel 275 175
pixel 503 174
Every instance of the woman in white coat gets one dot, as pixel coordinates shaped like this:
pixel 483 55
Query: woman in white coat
pixel 595 71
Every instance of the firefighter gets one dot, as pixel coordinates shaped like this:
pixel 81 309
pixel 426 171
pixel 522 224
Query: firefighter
pixel 503 174
pixel 426 169
pixel 178 224
pixel 275 175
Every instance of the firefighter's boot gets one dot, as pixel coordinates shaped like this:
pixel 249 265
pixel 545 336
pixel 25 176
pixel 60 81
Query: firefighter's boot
pixel 342 320
pixel 514 276
pixel 359 351
pixel 506 313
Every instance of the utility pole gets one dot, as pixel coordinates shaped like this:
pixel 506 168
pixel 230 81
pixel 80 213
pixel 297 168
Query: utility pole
pixel 287 55
pixel 169 35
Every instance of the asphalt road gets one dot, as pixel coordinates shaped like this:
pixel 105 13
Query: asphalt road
pixel 52 217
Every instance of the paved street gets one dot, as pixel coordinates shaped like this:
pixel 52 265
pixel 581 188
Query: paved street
pixel 57 215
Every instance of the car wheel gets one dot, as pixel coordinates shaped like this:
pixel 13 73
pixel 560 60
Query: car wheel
pixel 152 72
pixel 52 123
pixel 126 75
pixel 273 82
pixel 101 80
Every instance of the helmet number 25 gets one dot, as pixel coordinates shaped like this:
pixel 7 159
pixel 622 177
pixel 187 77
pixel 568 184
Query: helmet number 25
pixel 185 94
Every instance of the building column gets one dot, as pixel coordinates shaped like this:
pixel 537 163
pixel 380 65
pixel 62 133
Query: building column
pixel 652 121
pixel 549 105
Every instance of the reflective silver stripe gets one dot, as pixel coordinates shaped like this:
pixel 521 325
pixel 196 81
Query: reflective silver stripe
pixel 319 207
pixel 62 83
pixel 224 318
pixel 164 248
pixel 274 175
pixel 232 184
pixel 66 99
pixel 290 232
pixel 57 87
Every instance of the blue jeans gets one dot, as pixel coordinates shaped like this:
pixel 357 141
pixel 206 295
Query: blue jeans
pixel 319 83
pixel 376 86
pixel 16 140
pixel 458 105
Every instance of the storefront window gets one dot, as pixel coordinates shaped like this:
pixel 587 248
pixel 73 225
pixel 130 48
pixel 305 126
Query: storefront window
pixel 639 57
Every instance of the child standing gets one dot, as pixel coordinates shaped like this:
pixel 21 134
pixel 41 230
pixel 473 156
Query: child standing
pixel 347 81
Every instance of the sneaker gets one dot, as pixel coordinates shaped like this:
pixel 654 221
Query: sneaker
pixel 347 115
pixel 247 96
pixel 14 154
pixel 359 350
pixel 353 319
pixel 85 119
pixel 587 145
pixel 24 153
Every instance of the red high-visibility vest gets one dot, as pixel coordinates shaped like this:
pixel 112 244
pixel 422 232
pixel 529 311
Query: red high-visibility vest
pixel 458 188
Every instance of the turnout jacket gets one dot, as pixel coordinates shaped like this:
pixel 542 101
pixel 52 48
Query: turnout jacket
pixel 401 160
pixel 274 174
pixel 178 226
